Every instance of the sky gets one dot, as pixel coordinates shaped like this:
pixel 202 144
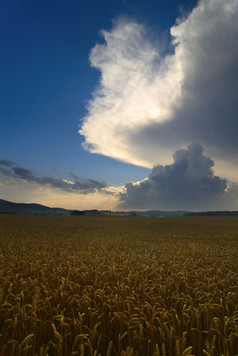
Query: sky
pixel 120 105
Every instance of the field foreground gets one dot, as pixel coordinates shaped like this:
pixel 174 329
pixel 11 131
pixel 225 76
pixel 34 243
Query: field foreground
pixel 118 286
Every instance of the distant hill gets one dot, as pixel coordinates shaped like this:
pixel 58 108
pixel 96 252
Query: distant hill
pixel 212 213
pixel 7 207
pixel 154 213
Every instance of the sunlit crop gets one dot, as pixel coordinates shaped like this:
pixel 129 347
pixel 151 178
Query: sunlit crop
pixel 118 286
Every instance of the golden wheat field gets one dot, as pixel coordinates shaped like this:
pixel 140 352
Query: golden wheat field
pixel 118 286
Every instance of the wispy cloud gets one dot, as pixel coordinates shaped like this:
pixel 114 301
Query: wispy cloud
pixel 187 184
pixel 83 186
pixel 147 105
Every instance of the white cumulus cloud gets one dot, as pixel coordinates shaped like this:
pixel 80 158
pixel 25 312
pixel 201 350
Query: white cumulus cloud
pixel 137 87
pixel 187 184
pixel 147 105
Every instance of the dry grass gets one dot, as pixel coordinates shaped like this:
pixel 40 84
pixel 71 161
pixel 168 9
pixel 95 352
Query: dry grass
pixel 118 286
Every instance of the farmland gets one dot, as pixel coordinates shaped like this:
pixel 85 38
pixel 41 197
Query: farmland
pixel 118 286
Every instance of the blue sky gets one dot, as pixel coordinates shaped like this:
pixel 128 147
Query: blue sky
pixel 131 77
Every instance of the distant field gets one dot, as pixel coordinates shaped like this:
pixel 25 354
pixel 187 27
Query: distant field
pixel 118 286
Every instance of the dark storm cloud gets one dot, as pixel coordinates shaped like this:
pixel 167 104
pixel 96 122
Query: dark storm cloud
pixel 187 184
pixel 83 186
pixel 87 184
pixel 207 112
pixel 5 162
pixel 23 173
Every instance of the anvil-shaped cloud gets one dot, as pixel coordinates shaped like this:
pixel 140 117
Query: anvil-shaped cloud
pixel 147 104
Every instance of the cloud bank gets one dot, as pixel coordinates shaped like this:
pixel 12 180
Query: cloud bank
pixel 147 105
pixel 187 184
pixel 9 170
